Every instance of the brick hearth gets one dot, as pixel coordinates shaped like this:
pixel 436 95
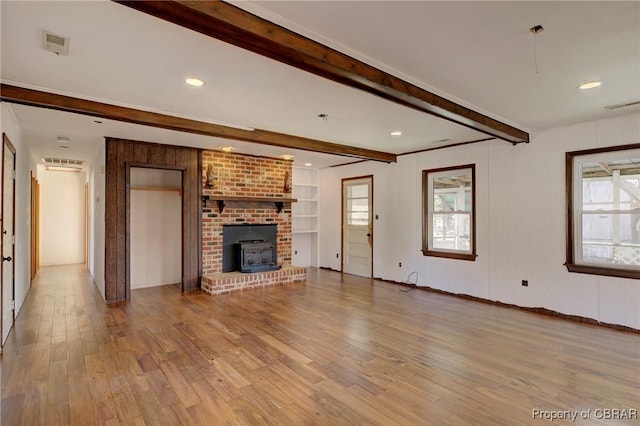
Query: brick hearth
pixel 229 282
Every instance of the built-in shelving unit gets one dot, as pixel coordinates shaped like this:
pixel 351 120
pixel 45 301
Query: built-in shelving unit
pixel 305 216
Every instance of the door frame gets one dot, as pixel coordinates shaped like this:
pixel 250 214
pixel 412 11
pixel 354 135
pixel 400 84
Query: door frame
pixel 371 219
pixel 35 219
pixel 86 225
pixel 7 145
pixel 122 151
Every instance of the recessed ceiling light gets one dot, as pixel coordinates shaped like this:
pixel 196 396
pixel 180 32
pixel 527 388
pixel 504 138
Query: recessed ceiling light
pixel 589 85
pixel 64 146
pixel 287 157
pixel 396 133
pixel 195 82
pixel 308 164
pixel 226 148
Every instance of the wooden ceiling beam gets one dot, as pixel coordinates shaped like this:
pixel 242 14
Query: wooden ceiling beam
pixel 233 25
pixel 20 95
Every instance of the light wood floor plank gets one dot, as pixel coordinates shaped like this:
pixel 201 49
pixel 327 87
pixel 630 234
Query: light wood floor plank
pixel 336 350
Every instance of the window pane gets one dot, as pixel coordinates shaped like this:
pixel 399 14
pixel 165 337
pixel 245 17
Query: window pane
pixel 444 203
pixel 601 194
pixel 358 218
pixel 611 238
pixel 597 227
pixel 452 232
pixel 358 191
pixel 452 194
pixel 358 204
pixel 453 181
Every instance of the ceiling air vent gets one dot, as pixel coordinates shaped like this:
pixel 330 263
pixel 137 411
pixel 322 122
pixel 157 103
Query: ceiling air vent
pixel 610 107
pixel 61 162
pixel 56 43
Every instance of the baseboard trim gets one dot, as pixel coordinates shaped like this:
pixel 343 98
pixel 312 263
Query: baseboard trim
pixel 537 310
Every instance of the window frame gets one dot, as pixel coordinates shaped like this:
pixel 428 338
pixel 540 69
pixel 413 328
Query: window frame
pixel 427 198
pixel 572 263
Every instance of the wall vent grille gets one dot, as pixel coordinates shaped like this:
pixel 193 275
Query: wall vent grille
pixel 56 43
pixel 61 162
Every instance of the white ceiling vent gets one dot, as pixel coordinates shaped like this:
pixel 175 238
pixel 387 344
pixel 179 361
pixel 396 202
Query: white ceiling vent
pixel 61 162
pixel 56 43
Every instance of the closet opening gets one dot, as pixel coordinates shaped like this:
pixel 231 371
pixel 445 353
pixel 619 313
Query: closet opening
pixel 155 227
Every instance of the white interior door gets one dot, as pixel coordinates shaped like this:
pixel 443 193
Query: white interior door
pixel 357 229
pixel 8 236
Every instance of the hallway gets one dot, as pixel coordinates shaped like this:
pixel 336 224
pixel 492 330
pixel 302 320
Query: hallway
pixel 338 350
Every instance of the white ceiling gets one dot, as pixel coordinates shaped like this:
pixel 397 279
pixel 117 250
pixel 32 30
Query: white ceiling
pixel 479 54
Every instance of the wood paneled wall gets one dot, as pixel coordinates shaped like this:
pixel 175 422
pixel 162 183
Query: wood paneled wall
pixel 121 155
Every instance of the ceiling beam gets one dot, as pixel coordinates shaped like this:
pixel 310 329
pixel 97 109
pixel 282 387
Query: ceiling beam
pixel 54 101
pixel 233 25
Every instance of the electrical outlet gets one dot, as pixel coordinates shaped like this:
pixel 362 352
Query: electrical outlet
pixel 399 264
pixel 525 283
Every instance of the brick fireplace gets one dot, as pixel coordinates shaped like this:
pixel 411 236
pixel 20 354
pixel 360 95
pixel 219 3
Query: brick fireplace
pixel 239 189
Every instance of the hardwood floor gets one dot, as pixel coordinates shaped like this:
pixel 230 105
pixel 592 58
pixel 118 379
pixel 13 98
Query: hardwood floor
pixel 338 350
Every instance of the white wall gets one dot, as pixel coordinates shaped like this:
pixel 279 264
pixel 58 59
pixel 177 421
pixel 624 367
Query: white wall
pixel 62 217
pixel 156 227
pixel 24 165
pixel 521 223
pixel 96 219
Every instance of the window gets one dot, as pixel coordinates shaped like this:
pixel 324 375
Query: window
pixel 358 204
pixel 603 232
pixel 449 221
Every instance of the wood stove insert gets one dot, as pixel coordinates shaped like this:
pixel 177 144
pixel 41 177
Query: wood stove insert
pixel 250 248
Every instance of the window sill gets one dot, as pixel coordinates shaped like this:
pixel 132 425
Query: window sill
pixel 450 255
pixel 599 270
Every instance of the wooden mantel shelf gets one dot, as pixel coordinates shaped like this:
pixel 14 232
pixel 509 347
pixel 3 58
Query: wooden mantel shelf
pixel 223 199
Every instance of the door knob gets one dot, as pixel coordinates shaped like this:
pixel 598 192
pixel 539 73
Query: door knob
pixel 7 259
pixel 369 234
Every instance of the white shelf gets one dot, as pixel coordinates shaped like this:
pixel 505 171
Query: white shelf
pixel 304 216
